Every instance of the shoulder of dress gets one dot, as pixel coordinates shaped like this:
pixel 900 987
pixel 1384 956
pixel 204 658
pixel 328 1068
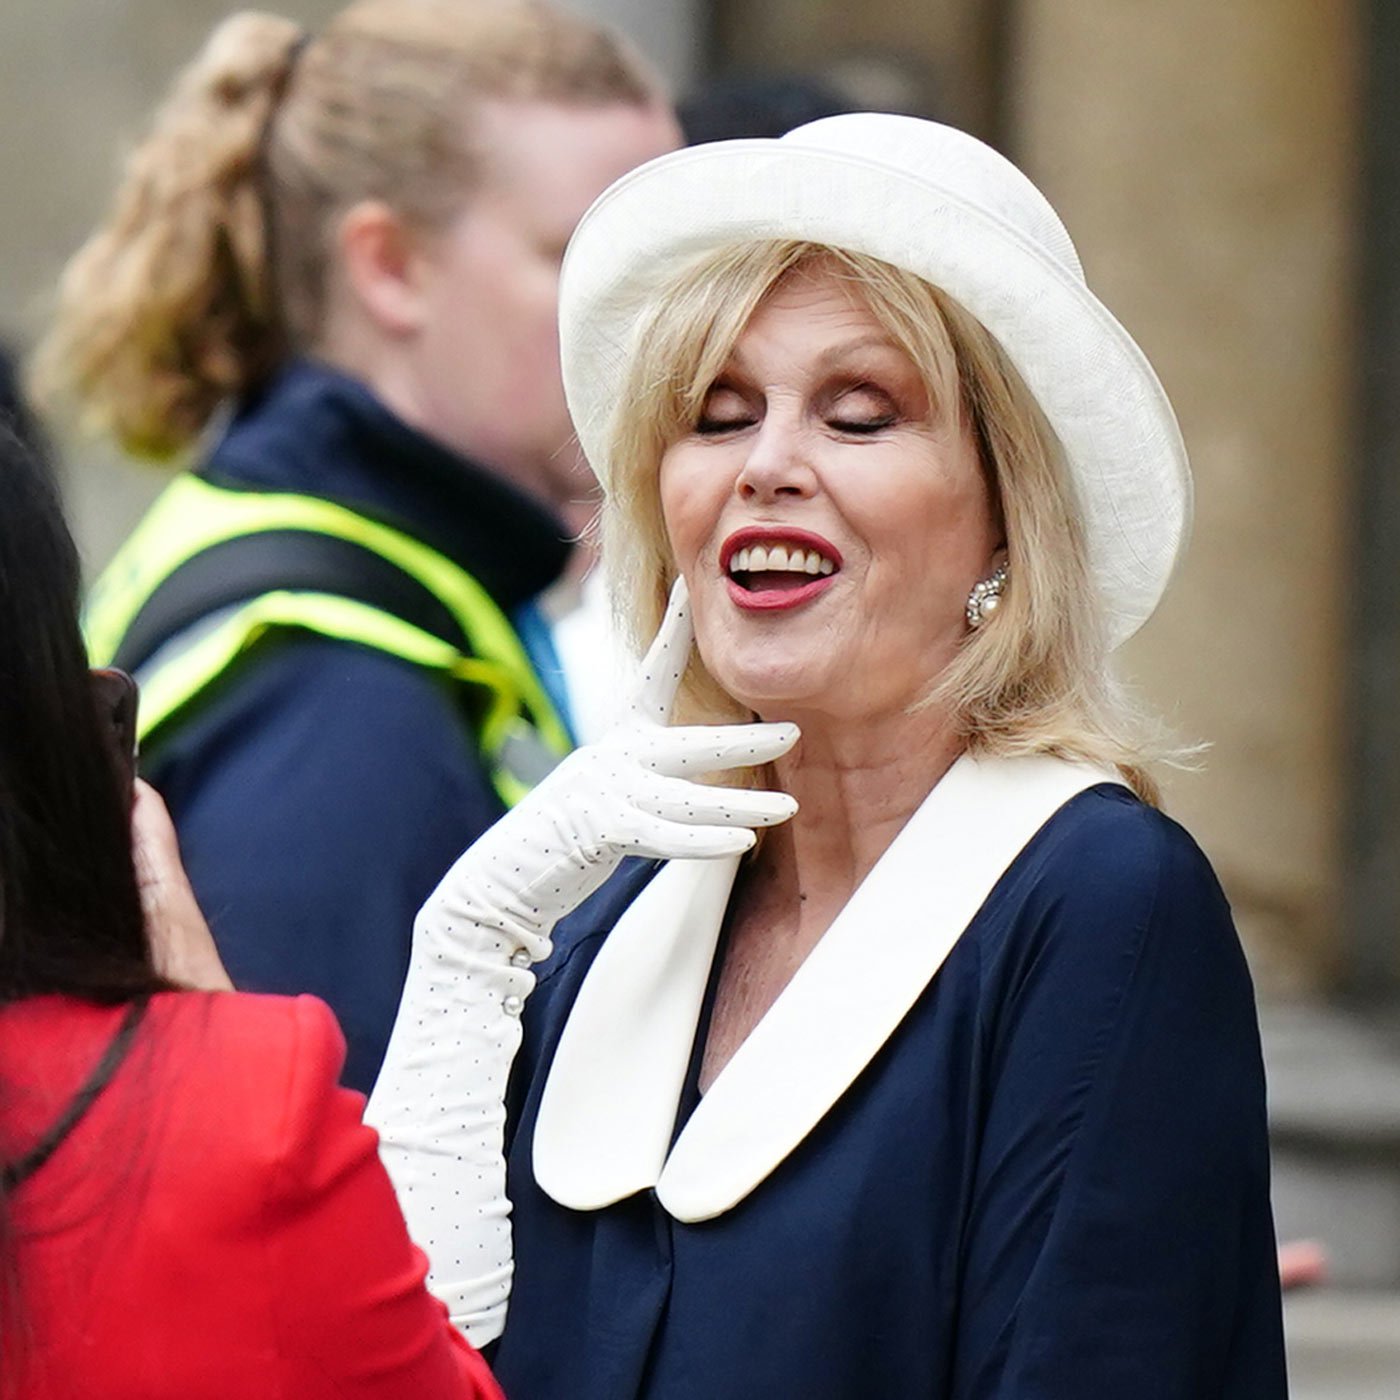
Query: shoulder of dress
pixel 1108 828
pixel 1107 863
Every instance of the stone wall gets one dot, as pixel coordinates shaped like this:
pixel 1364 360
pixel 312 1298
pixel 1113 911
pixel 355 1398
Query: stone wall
pixel 1204 156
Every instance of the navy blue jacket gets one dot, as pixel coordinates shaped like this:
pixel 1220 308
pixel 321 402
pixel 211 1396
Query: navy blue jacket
pixel 1052 1183
pixel 323 788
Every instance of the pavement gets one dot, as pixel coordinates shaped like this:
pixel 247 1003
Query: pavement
pixel 1343 1345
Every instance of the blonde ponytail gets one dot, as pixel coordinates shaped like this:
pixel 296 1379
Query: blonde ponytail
pixel 167 310
pixel 214 261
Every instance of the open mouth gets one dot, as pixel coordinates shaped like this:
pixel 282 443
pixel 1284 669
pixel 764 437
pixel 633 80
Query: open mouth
pixel 761 569
pixel 778 571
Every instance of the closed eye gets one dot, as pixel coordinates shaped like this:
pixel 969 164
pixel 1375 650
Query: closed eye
pixel 711 425
pixel 863 426
pixel 861 408
pixel 725 410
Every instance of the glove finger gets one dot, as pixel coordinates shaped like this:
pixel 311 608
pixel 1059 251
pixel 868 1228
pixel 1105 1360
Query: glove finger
pixel 713 748
pixel 666 840
pixel 666 659
pixel 696 804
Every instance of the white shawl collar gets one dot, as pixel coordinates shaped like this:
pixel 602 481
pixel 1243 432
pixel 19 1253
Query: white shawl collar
pixel 608 1110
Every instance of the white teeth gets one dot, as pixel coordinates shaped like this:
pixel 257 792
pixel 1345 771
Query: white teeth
pixel 779 558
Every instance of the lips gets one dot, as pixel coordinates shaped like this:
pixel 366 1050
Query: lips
pixel 773 567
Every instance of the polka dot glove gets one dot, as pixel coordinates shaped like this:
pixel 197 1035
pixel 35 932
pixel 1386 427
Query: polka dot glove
pixel 438 1103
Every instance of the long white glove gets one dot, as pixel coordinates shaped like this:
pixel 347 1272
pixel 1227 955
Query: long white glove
pixel 438 1103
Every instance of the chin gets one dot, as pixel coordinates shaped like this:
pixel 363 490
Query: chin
pixel 774 692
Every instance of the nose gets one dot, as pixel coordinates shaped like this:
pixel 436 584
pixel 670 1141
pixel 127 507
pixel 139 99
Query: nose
pixel 776 464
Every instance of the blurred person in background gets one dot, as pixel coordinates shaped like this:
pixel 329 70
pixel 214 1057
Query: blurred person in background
pixel 330 274
pixel 191 1205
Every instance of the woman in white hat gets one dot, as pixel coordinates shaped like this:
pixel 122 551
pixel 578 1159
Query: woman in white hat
pixel 951 1085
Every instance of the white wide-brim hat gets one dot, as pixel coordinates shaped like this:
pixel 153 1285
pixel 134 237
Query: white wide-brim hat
pixel 938 203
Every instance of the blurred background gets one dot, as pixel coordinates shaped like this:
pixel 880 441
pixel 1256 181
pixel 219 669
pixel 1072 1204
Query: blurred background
pixel 1231 175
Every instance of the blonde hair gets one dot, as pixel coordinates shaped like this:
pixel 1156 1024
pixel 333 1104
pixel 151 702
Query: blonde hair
pixel 213 261
pixel 1035 678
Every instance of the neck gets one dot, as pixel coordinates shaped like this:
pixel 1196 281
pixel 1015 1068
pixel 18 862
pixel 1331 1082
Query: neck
pixel 857 786
pixel 391 377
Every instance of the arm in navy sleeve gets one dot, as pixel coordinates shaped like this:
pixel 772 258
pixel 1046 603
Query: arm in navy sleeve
pixel 1120 1239
pixel 319 799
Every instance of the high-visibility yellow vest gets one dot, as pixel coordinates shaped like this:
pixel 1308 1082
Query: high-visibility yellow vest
pixel 520 733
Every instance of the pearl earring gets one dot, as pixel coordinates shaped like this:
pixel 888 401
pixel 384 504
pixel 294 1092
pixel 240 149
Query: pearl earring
pixel 985 597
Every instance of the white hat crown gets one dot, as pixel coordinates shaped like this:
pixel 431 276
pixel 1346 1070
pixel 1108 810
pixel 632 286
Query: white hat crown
pixel 961 163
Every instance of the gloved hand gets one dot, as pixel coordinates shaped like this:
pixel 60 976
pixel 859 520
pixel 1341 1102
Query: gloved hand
pixel 630 794
pixel 438 1102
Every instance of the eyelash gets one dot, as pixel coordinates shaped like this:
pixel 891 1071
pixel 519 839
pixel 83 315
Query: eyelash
pixel 862 426
pixel 711 427
pixel 859 427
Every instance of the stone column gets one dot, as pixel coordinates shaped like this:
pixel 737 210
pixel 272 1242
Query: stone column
pixel 1202 156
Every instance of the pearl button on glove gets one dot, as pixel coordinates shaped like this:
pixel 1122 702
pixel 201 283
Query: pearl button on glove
pixel 438 1101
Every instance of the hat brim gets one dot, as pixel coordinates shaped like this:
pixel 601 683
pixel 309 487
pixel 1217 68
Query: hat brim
pixel 1094 385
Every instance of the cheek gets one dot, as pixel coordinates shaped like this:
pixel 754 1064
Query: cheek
pixel 685 512
pixel 929 540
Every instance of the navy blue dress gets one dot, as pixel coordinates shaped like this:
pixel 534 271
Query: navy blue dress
pixel 1051 1184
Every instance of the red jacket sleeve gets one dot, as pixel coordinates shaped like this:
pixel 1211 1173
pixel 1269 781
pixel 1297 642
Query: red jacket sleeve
pixel 351 1311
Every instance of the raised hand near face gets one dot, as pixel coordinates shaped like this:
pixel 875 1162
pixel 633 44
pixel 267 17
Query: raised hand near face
pixel 633 793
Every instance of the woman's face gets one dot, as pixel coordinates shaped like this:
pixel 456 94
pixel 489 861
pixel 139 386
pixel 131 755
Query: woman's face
pixel 818 443
pixel 487 361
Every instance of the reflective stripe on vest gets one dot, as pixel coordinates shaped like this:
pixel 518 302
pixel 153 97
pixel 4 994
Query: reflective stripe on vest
pixel 521 733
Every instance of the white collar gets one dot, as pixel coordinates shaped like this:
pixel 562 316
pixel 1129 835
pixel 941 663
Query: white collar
pixel 608 1110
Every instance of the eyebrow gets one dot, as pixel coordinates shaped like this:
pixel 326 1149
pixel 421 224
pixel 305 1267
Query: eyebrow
pixel 835 353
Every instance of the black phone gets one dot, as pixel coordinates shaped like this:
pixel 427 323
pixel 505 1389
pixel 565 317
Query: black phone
pixel 117 698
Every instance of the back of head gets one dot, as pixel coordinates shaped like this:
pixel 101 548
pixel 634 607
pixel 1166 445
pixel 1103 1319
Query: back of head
pixel 70 915
pixel 217 256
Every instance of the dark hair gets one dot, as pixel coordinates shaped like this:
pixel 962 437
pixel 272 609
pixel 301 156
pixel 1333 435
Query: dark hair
pixel 15 413
pixel 70 914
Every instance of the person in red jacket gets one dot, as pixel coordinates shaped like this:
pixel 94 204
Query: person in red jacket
pixel 191 1205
